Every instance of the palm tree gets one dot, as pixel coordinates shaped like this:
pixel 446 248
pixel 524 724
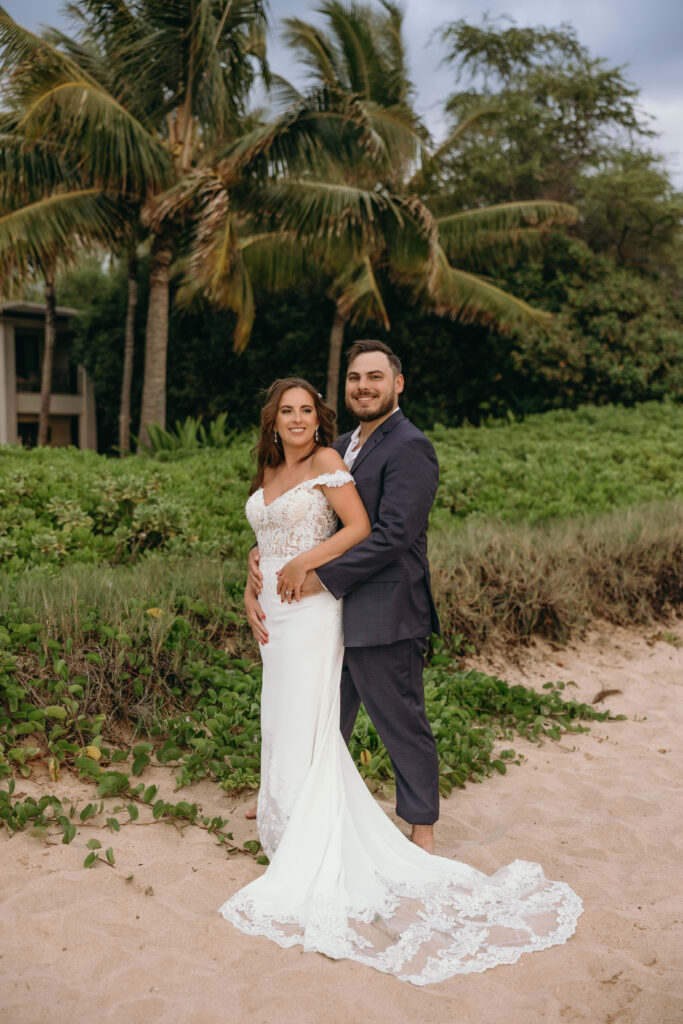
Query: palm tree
pixel 331 185
pixel 60 194
pixel 45 221
pixel 95 51
pixel 362 55
pixel 188 66
pixel 173 86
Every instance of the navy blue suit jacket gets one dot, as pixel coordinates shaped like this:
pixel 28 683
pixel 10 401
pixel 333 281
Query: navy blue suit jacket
pixel 384 580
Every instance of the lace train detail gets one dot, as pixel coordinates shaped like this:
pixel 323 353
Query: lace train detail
pixel 429 934
pixel 342 880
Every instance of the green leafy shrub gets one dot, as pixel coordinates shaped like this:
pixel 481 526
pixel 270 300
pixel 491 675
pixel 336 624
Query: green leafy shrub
pixel 59 506
pixel 188 437
pixel 560 463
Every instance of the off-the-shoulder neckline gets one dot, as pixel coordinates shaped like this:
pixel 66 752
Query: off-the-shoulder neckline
pixel 303 483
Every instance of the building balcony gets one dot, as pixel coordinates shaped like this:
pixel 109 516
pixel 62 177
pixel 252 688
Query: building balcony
pixel 64 382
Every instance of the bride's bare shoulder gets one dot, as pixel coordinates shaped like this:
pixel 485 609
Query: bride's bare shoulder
pixel 327 460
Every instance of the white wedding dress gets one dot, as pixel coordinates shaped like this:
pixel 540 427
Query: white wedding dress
pixel 342 879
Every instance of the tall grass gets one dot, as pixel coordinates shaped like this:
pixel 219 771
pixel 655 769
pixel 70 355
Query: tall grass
pixel 122 596
pixel 505 582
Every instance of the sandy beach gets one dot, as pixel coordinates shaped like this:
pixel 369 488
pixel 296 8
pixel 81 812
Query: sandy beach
pixel 142 942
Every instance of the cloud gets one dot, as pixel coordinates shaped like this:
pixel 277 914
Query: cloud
pixel 644 36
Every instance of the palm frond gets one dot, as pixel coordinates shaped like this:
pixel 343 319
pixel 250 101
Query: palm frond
pixel 216 269
pixel 410 242
pixel 358 295
pixel 115 150
pixel 458 231
pixel 25 170
pixel 392 37
pixel 279 259
pixel 286 94
pixel 470 298
pixel 54 226
pixel 495 248
pixel 24 52
pixel 399 134
pixel 354 44
pixel 98 56
pixel 326 126
pixel 315 50
pixel 325 210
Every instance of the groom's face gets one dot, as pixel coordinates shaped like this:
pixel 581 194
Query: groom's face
pixel 372 390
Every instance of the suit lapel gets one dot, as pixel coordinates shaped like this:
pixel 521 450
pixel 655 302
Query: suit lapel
pixel 341 443
pixel 376 438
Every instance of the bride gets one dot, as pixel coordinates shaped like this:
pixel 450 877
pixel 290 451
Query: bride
pixel 342 879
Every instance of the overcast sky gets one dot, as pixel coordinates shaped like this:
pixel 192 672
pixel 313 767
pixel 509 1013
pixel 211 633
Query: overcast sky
pixel 646 36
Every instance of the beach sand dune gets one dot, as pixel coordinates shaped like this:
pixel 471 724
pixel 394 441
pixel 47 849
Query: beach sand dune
pixel 142 942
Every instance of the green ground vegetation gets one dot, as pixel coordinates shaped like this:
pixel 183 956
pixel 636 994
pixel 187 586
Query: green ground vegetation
pixel 105 672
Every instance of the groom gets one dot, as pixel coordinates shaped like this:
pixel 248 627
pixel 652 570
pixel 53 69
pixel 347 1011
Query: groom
pixel 384 580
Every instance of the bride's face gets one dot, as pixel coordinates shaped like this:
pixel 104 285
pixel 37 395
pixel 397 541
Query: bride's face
pixel 296 419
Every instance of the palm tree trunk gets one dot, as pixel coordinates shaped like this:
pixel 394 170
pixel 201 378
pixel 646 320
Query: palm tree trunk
pixel 156 338
pixel 128 351
pixel 48 355
pixel 334 358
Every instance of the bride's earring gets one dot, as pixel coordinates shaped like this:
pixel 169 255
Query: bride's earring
pixel 316 435
pixel 276 437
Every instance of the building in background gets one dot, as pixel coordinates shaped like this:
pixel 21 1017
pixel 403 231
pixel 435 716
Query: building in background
pixel 72 405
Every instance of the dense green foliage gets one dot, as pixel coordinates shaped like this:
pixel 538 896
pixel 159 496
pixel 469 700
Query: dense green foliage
pixel 61 506
pixel 205 376
pixel 537 526
pixel 567 125
pixel 616 338
pixel 562 463
pixel 617 335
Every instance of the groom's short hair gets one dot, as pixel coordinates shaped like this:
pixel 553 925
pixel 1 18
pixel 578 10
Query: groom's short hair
pixel 372 345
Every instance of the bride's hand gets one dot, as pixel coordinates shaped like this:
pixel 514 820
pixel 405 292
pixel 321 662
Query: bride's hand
pixel 291 578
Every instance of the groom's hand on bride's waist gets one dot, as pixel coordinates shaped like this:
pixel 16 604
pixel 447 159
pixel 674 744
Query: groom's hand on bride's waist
pixel 253 571
pixel 255 614
pixel 311 585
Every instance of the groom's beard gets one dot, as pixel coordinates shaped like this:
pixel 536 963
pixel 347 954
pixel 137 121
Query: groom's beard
pixel 368 415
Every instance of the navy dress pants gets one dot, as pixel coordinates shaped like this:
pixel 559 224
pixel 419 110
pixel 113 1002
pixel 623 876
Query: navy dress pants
pixel 388 680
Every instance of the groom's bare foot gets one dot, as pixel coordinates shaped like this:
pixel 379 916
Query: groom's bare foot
pixel 250 812
pixel 423 836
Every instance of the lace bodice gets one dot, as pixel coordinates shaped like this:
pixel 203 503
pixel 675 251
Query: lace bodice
pixel 297 520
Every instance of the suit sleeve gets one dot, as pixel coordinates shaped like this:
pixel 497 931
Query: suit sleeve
pixel 410 480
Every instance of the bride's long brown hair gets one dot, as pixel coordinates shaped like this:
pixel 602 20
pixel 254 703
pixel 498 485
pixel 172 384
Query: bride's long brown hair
pixel 268 451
